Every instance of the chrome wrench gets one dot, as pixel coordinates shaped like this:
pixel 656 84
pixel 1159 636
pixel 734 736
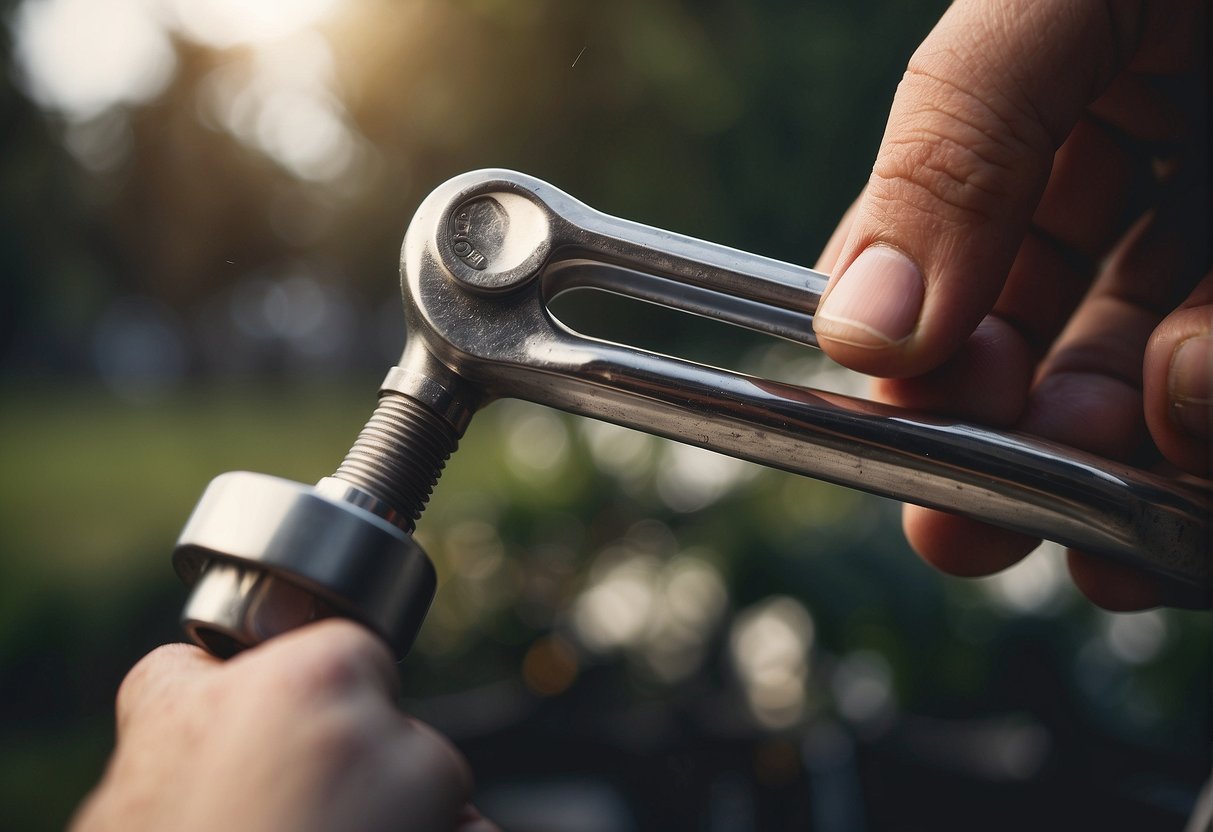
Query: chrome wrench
pixel 484 255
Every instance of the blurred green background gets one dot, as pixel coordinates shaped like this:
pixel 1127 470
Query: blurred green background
pixel 203 202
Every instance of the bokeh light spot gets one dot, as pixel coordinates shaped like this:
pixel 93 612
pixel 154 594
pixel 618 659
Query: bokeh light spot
pixel 139 349
pixel 1135 638
pixel 691 479
pixel 536 439
pixel 1038 584
pixel 81 57
pixel 769 647
pixel 549 666
pixel 227 23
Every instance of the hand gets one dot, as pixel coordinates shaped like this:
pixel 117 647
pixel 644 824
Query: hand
pixel 1031 250
pixel 301 733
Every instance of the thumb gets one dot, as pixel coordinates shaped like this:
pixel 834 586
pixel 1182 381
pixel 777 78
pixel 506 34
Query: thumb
pixel 986 101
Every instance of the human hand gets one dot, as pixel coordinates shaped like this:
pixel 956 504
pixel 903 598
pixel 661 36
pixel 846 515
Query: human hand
pixel 300 733
pixel 1031 250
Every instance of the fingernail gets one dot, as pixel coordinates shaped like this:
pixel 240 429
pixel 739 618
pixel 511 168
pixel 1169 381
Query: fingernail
pixel 875 303
pixel 1190 385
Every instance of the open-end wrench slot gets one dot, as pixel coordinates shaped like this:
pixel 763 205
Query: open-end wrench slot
pixel 568 275
pixel 653 326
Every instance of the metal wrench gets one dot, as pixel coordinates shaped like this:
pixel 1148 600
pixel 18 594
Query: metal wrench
pixel 484 255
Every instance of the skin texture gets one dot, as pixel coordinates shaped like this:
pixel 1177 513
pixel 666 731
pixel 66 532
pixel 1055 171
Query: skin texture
pixel 1043 180
pixel 301 733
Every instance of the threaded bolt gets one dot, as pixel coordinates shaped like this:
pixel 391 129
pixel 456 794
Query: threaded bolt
pixel 399 455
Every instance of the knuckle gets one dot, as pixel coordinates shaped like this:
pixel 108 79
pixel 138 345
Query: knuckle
pixel 403 751
pixel 953 154
pixel 331 658
pixel 149 675
pixel 440 757
pixel 342 736
pixel 324 672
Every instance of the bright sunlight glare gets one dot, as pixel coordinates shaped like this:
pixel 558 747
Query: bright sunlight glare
pixel 81 57
pixel 226 23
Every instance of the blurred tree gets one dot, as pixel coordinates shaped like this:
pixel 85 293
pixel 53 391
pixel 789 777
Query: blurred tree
pixel 735 122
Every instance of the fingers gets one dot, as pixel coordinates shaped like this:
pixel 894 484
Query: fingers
pixel 1112 586
pixel 1089 398
pixel 985 382
pixel 328 657
pixel 325 693
pixel 434 775
pixel 1090 389
pixel 301 732
pixel 1178 383
pixel 961 546
pixel 344 681
pixel 1019 149
pixel 965 159
pixel 470 820
pixel 384 774
pixel 1088 393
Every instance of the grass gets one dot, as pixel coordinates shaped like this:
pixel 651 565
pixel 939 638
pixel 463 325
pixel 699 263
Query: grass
pixel 93 486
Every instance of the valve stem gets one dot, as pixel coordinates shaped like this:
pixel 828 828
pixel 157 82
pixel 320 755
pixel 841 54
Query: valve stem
pixel 399 455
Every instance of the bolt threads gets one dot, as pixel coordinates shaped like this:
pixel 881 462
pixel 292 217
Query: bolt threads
pixel 399 455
